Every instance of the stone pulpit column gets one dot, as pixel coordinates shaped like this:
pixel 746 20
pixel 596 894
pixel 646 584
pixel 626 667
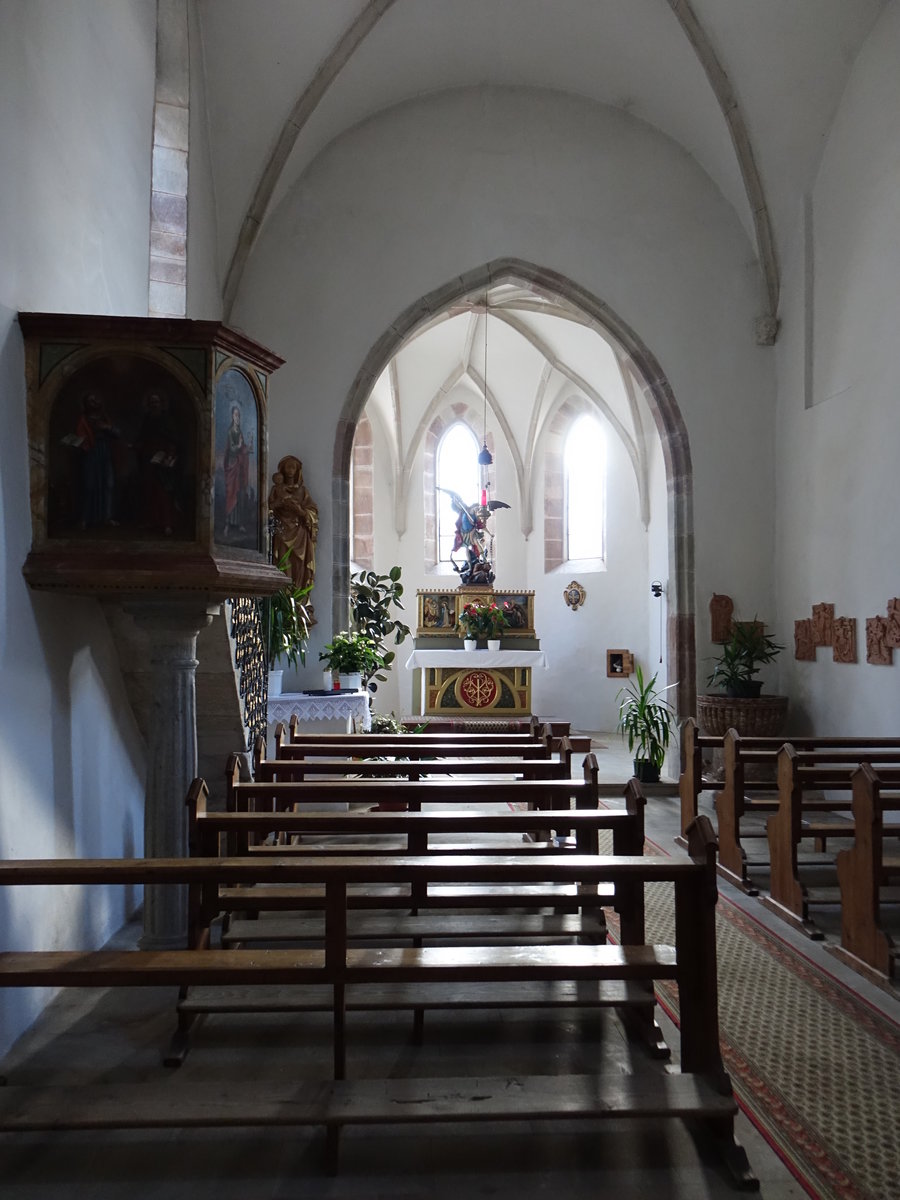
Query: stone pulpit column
pixel 171 628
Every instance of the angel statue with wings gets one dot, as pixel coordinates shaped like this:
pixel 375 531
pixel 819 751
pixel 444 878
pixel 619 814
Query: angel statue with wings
pixel 472 535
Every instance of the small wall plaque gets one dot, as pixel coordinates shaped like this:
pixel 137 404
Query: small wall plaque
pixel 844 642
pixel 892 637
pixel 823 624
pixel 721 611
pixel 878 652
pixel 804 643
pixel 575 595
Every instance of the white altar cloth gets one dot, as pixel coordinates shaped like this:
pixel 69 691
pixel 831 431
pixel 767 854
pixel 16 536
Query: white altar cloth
pixel 476 658
pixel 337 707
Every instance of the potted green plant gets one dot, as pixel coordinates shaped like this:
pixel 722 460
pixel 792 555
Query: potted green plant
pixel 646 720
pixel 748 649
pixel 286 623
pixel 372 598
pixel 353 656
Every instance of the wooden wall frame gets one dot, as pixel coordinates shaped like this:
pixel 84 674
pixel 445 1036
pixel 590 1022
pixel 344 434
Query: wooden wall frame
pixel 619 663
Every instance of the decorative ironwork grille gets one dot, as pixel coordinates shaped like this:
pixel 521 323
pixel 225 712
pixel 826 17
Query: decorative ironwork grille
pixel 250 660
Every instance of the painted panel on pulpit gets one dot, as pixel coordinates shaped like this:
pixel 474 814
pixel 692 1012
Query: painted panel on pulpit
pixel 237 516
pixel 121 454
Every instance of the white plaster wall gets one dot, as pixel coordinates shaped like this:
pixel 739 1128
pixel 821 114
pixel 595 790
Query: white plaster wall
pixel 575 687
pixel 422 193
pixel 657 560
pixel 76 98
pixel 839 539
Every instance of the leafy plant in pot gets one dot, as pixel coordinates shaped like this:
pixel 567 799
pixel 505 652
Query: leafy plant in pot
pixel 646 720
pixel 286 621
pixel 354 656
pixel 372 599
pixel 748 649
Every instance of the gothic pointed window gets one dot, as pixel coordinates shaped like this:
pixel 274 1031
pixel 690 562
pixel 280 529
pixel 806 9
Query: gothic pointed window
pixel 456 471
pixel 584 471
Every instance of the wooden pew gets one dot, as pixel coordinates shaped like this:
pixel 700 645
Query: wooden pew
pixel 864 871
pixel 691 781
pixel 554 793
pixel 403 767
pixel 701 1091
pixel 732 801
pixel 386 745
pixel 414 913
pixel 284 812
pixel 291 735
pixel 802 772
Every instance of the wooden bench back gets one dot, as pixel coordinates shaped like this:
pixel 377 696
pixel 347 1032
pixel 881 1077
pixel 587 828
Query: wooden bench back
pixel 400 762
pixel 413 747
pixel 291 735
pixel 738 750
pixel 862 871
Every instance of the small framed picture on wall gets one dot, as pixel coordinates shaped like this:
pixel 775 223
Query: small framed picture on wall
pixel 619 663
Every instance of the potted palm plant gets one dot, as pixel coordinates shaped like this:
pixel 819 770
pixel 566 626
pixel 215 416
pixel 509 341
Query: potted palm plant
pixel 646 719
pixel 748 649
pixel 739 704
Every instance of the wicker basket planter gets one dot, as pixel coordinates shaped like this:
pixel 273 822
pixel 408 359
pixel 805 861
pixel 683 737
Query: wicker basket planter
pixel 757 716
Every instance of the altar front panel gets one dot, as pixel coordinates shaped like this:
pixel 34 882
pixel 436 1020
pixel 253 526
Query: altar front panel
pixel 476 682
pixel 478 691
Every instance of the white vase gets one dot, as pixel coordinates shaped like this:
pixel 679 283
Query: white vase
pixel 493 644
pixel 352 681
pixel 469 643
pixel 327 681
pixel 275 678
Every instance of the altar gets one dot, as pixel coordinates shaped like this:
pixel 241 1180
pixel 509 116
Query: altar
pixel 475 682
pixel 487 683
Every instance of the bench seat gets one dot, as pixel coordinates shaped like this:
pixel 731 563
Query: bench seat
pixel 142 968
pixel 391 997
pixel 247 1103
pixel 421 925
pixel 280 897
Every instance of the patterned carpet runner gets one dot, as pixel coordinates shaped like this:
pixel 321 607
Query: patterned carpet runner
pixel 814 1067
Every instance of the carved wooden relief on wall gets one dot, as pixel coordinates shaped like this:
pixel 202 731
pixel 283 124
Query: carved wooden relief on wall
pixel 804 645
pixel 844 641
pixel 878 651
pixel 721 610
pixel 823 624
pixel 892 637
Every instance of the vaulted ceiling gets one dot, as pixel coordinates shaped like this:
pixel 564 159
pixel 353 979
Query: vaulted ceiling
pixel 747 88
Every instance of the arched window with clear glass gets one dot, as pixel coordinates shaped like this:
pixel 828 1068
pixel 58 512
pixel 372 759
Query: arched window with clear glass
pixel 584 469
pixel 456 470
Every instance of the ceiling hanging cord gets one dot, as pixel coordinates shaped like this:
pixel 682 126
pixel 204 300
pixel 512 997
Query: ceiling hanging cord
pixel 656 589
pixel 485 458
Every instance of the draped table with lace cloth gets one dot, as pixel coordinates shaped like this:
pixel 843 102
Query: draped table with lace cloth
pixel 350 707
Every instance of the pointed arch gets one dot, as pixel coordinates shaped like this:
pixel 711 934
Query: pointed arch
pixel 660 398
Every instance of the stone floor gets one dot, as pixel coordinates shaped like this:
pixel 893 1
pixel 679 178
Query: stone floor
pixel 120 1035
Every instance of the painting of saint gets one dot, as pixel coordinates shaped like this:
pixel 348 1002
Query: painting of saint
pixel 237 521
pixel 121 454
